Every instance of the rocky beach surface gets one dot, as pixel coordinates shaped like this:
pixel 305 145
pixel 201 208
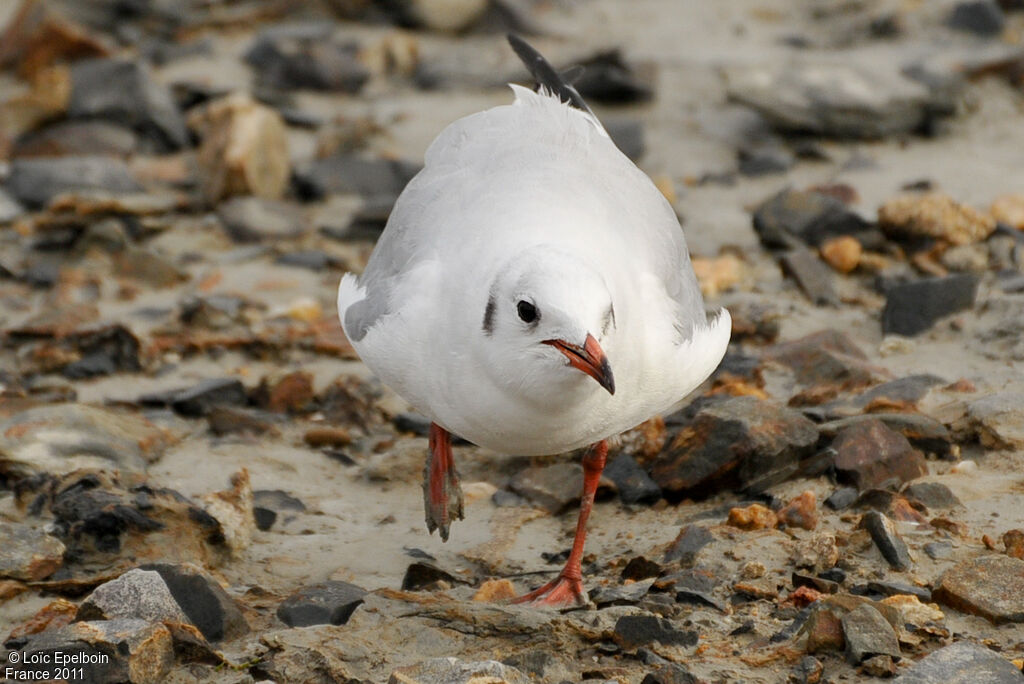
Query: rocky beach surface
pixel 199 481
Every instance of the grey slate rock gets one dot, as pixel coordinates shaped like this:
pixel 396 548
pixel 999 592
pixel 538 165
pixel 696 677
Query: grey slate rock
pixel 202 599
pixel 377 180
pixel 932 494
pixel 911 308
pixel 123 91
pixel 254 219
pixel 793 216
pixel 962 663
pixel 139 594
pixel 36 181
pixel 816 280
pixel 632 481
pixel 632 631
pixel 980 17
pixel 329 602
pixel 868 634
pixel 268 503
pixel 306 55
pixel 688 543
pixel 10 209
pixel 197 401
pixel 28 554
pixel 887 539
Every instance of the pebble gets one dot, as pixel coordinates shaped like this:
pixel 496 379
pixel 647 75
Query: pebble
pixel 294 56
pixel 997 420
pixel 77 138
pixel 125 92
pixel 36 181
pixel 330 602
pixel 763 443
pixel 454 671
pixel 753 517
pixel 29 554
pixel 199 400
pixel 764 159
pixel 40 35
pixel 268 503
pixel 257 219
pixel 632 481
pixel 887 539
pixel 10 209
pixel 801 512
pixel 633 631
pixel 808 671
pixel 554 488
pixel 286 392
pixel 1013 540
pixel 825 362
pixel 824 631
pixel 1009 210
pixel 914 307
pixel 495 590
pixel 841 253
pixel 932 495
pixel 938 550
pixel 991 586
pixel 980 17
pixel 427 576
pixel 140 594
pixel 687 545
pixel 815 280
pixel 379 181
pixel 623 594
pixel 962 662
pixel 125 650
pixel 934 215
pixel 869 453
pixel 810 217
pixel 609 79
pixel 451 16
pixel 244 149
pixel 208 606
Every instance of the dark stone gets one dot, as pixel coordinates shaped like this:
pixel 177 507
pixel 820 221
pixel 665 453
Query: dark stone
pixel 254 219
pixel 424 575
pixel 837 575
pixel 230 420
pixel 911 308
pixel 632 631
pixel 815 279
pixel 688 543
pixel 607 78
pixel 990 586
pixel 826 362
pixel 761 160
pixel 695 585
pixel 628 136
pixel 670 673
pixel 197 401
pixel 313 259
pixel 632 481
pixel 622 594
pixel 886 588
pixel 377 180
pixel 980 17
pixel 819 583
pixel 36 181
pixel 963 662
pixel 203 600
pixel 555 487
pixel 887 539
pixel 267 503
pixel 807 671
pixel 923 432
pixel 306 56
pixel 639 568
pixel 868 454
pixel 741 442
pixel 70 138
pixel 105 351
pixel 932 494
pixel 868 634
pixel 938 550
pixel 123 91
pixel 792 216
pixel 321 604
pixel 901 394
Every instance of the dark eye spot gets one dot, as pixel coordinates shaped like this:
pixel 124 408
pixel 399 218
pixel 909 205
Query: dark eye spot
pixel 527 311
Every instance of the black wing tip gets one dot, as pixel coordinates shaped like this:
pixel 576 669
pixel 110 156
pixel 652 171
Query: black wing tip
pixel 545 74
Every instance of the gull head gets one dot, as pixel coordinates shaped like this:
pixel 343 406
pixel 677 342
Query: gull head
pixel 546 325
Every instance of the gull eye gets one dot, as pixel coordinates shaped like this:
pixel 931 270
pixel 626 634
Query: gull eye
pixel 527 311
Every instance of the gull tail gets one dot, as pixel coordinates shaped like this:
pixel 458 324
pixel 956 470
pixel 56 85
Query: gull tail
pixel 349 293
pixel 558 85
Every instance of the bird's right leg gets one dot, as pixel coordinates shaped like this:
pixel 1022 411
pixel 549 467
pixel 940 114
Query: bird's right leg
pixel 442 493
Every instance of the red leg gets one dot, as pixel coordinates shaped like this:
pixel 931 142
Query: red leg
pixel 442 493
pixel 566 590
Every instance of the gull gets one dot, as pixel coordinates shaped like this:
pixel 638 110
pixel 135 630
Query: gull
pixel 533 294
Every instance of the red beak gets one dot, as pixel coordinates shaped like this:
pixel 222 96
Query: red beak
pixel 589 358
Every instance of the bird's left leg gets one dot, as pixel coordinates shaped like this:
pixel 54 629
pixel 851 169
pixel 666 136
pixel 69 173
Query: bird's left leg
pixel 442 493
pixel 566 590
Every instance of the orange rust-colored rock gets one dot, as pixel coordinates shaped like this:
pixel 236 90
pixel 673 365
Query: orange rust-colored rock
pixel 824 632
pixel 38 37
pixel 801 512
pixel 328 437
pixel 842 253
pixel 495 590
pixel 1009 209
pixel 753 517
pixel 937 216
pixel 1014 543
pixel 718 274
pixel 51 616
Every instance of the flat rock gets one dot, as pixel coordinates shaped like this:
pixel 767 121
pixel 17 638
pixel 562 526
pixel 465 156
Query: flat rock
pixel 826 362
pixel 688 544
pixel 554 487
pixel 10 209
pixel 141 594
pixel 911 308
pixel 268 503
pixel 126 650
pixel 868 453
pixel 740 442
pixel 632 481
pixel 329 602
pixel 124 92
pixel 29 554
pixel 990 586
pixel 932 495
pixel 66 437
pixel 963 662
pixel 996 419
pixel 36 181
pixel 425 575
pixel 255 219
pixel 198 400
pixel 77 138
pixel 840 99
pixel 812 276
pixel 202 599
pixel 901 394
pixel 633 631
pixel 887 539
pixel 980 17
pixel 793 216
pixel 455 671
pixel 915 217
pixel 608 78
pixel 306 56
pixel 868 634
pixel 379 181
pixel 39 35
pixel 923 432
